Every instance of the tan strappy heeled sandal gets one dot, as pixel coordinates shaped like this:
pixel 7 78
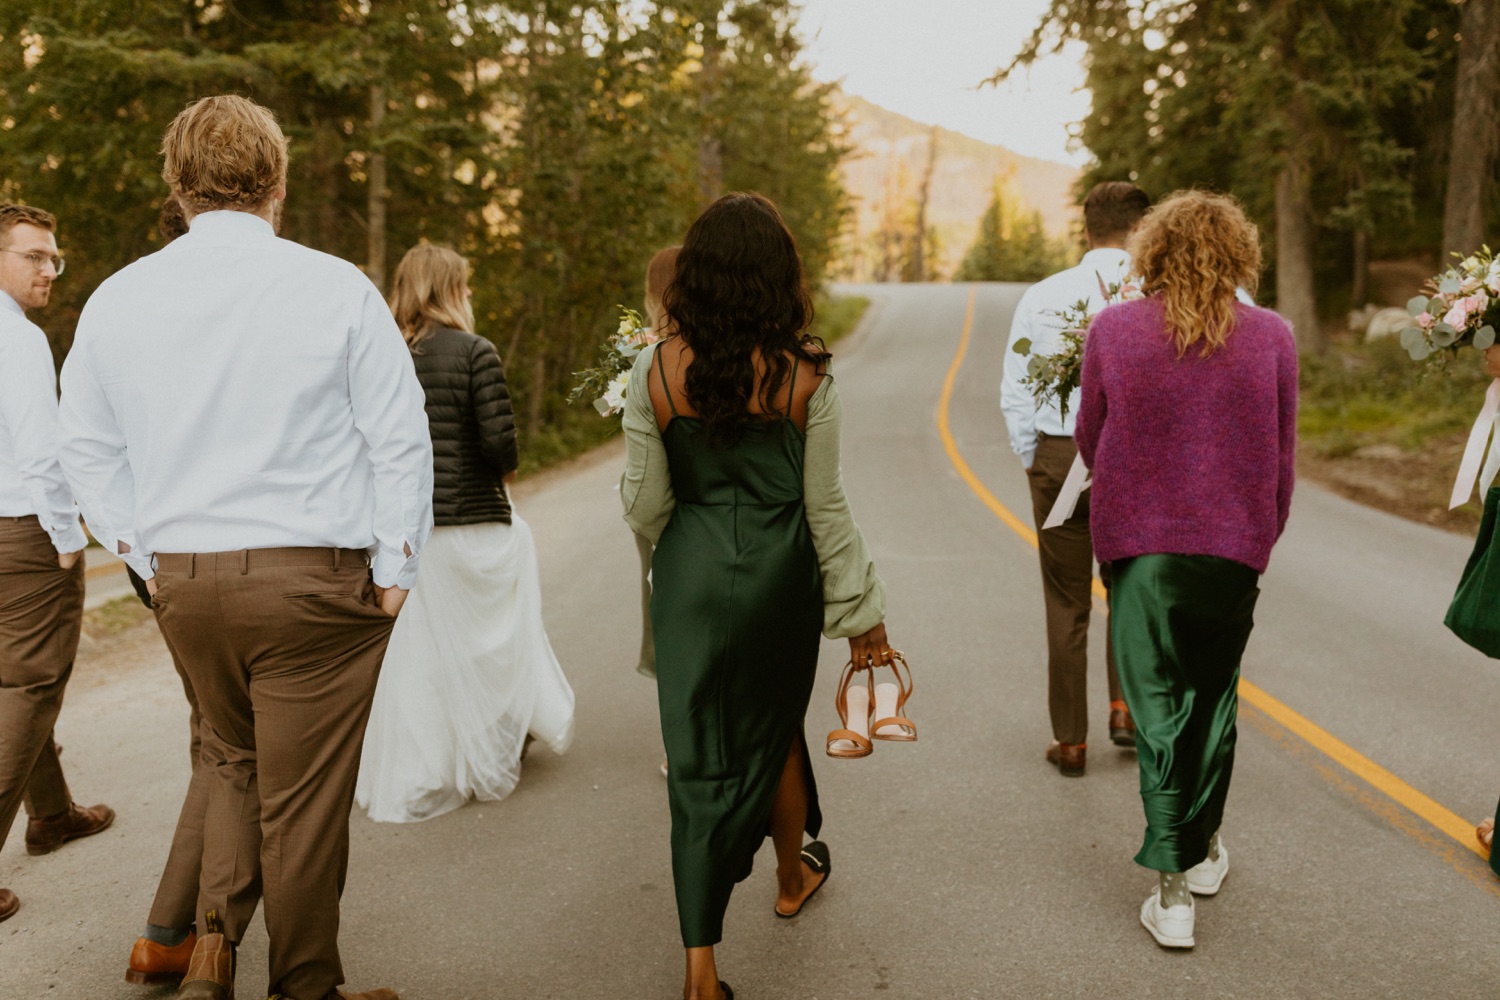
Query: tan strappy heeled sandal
pixel 890 704
pixel 865 702
pixel 853 699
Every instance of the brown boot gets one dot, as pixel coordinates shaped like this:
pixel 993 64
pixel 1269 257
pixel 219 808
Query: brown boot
pixel 158 963
pixel 9 904
pixel 1070 758
pixel 210 972
pixel 43 836
pixel 1121 725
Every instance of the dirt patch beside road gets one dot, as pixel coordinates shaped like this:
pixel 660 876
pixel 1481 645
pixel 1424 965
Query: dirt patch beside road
pixel 1414 485
pixel 119 638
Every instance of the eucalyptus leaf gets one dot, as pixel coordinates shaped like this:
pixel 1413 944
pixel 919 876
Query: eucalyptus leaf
pixel 1443 335
pixel 1450 285
pixel 1417 305
pixel 1484 338
pixel 1420 351
pixel 1411 336
pixel 1022 346
pixel 1036 366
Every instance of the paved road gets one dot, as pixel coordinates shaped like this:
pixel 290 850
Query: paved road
pixel 964 866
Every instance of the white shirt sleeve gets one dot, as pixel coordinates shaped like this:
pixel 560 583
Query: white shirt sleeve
pixel 1016 400
pixel 390 411
pixel 28 407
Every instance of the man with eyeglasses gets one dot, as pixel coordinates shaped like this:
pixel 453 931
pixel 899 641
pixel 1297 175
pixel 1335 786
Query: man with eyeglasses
pixel 41 544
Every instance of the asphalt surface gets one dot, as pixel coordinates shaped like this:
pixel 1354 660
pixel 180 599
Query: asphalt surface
pixel 964 866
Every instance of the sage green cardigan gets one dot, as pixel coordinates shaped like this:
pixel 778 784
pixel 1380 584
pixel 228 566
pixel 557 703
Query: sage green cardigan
pixel 853 595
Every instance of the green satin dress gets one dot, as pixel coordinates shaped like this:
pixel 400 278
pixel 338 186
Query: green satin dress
pixel 1179 625
pixel 737 610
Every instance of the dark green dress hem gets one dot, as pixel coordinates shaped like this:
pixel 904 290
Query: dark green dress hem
pixel 1179 625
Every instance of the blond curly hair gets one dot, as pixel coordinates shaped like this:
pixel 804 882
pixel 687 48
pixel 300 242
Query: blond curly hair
pixel 1193 251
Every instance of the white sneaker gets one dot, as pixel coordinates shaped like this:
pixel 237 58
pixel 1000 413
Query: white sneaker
pixel 1205 878
pixel 1172 926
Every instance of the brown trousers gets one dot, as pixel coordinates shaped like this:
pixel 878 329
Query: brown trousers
pixel 176 903
pixel 41 613
pixel 1067 556
pixel 281 648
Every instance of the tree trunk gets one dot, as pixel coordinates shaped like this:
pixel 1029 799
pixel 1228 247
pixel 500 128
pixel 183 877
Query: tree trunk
pixel 1359 291
pixel 710 144
pixel 919 236
pixel 378 194
pixel 1471 160
pixel 1296 299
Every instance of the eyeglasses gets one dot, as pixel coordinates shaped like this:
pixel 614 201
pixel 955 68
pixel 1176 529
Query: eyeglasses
pixel 40 260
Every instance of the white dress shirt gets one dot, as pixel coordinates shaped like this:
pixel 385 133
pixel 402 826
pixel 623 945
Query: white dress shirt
pixel 31 481
pixel 1036 318
pixel 239 391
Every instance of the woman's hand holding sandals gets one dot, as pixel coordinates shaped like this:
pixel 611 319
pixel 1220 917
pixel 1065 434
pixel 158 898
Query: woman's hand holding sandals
pixel 872 647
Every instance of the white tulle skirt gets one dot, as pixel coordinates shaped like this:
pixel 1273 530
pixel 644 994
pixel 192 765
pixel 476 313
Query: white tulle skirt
pixel 469 672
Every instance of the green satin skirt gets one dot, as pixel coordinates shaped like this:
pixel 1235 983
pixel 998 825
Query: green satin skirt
pixel 1179 625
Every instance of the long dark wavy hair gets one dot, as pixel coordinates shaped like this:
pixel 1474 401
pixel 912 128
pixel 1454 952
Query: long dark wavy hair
pixel 738 291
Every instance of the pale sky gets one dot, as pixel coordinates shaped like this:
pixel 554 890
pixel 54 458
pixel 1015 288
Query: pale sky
pixel 924 58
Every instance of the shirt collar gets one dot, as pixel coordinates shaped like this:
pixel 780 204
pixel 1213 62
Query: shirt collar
pixel 229 225
pixel 6 302
pixel 1105 257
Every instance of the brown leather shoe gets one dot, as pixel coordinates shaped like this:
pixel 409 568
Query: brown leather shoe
pixel 43 836
pixel 9 904
pixel 380 994
pixel 158 963
pixel 1070 758
pixel 1121 725
pixel 210 972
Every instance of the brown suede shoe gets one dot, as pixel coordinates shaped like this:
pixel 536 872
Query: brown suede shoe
pixel 1121 725
pixel 43 836
pixel 210 972
pixel 1070 758
pixel 158 963
pixel 9 904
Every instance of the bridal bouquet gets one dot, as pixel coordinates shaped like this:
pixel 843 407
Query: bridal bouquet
pixel 1462 310
pixel 1056 376
pixel 605 382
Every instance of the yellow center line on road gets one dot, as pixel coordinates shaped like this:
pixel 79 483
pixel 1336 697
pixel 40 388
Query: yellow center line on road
pixel 1443 819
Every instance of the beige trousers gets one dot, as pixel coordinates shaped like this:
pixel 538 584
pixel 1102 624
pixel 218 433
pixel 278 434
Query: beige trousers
pixel 41 613
pixel 281 648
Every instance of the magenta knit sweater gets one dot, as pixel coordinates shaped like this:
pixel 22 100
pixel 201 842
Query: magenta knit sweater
pixel 1193 455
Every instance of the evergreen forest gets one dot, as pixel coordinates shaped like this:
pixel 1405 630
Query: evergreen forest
pixel 557 145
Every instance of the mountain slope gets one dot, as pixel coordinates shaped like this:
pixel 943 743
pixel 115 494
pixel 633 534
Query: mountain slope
pixel 884 174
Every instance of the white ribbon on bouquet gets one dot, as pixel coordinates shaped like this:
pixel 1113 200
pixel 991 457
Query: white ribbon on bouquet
pixel 1079 480
pixel 1469 471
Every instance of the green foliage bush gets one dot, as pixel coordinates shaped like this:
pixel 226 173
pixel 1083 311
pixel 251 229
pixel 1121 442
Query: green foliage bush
pixel 1373 393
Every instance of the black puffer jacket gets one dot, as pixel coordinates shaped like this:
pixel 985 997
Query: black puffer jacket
pixel 473 431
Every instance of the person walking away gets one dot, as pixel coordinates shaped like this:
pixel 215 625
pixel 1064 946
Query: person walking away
pixel 1188 419
pixel 469 672
pixel 659 272
pixel 161 953
pixel 242 423
pixel 1042 437
pixel 732 431
pixel 41 549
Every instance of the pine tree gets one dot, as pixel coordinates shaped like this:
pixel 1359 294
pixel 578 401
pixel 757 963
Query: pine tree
pixel 1012 244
